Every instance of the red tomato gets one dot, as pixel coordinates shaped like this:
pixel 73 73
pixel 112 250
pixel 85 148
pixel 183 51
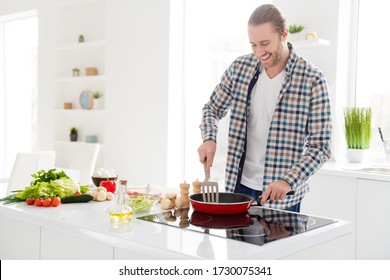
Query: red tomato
pixel 38 202
pixel 30 201
pixel 110 185
pixel 56 201
pixel 47 202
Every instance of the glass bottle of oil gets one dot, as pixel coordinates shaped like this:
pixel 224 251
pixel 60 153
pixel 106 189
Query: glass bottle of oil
pixel 121 212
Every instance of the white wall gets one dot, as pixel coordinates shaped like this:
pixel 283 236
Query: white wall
pixel 331 20
pixel 12 6
pixel 137 85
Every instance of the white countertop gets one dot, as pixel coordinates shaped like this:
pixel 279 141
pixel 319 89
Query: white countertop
pixel 161 241
pixel 354 170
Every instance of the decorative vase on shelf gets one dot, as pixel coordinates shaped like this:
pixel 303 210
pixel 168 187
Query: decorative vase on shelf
pixel 357 125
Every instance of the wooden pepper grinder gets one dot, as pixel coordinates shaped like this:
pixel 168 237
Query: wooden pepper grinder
pixel 196 185
pixel 184 221
pixel 184 190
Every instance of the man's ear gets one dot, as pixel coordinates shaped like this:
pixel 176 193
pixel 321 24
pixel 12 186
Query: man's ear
pixel 285 33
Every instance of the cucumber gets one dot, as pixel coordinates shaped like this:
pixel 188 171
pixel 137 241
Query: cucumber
pixel 77 198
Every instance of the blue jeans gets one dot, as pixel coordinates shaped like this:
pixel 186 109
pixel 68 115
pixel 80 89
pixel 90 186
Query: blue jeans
pixel 255 194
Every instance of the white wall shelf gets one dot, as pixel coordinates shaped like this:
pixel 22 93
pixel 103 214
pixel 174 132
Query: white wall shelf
pixel 77 17
pixel 80 111
pixel 82 78
pixel 84 45
pixel 310 43
pixel 59 142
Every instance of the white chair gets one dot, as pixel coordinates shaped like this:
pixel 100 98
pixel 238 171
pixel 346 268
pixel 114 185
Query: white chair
pixel 78 156
pixel 26 164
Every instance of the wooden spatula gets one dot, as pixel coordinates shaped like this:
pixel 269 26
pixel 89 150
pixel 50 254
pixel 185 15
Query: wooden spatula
pixel 210 192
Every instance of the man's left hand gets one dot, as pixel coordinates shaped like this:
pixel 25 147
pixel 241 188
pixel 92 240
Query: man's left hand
pixel 275 191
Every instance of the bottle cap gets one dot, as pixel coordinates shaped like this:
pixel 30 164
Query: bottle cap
pixel 123 182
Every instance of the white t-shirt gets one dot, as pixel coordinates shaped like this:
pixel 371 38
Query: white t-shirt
pixel 263 102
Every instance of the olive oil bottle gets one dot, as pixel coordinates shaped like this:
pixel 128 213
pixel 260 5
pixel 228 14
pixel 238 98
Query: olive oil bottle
pixel 121 212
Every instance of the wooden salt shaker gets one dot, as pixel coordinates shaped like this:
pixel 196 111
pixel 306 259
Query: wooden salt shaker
pixel 196 185
pixel 184 190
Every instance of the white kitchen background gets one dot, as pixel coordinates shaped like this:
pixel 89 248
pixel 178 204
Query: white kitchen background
pixel 163 60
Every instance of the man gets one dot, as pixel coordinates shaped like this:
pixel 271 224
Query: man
pixel 280 118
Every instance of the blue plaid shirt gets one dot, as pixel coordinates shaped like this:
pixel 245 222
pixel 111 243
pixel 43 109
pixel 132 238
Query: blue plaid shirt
pixel 300 131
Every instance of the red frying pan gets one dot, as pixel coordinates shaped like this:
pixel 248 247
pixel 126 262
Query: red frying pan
pixel 229 203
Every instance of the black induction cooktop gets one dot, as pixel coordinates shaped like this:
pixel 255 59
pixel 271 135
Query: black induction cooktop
pixel 258 226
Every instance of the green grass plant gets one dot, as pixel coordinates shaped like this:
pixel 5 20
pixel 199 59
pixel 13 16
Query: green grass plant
pixel 357 124
pixel 295 28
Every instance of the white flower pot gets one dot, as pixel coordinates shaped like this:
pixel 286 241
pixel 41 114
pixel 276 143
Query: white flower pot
pixel 98 104
pixel 355 155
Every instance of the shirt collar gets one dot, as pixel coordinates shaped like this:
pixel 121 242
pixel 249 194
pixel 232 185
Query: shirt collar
pixel 291 60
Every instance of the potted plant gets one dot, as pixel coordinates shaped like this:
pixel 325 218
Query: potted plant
pixel 357 125
pixel 97 96
pixel 76 72
pixel 73 134
pixel 294 31
pixel 81 38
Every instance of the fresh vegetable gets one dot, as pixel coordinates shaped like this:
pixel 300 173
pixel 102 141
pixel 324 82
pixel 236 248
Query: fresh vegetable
pixel 166 203
pixel 140 204
pixel 110 196
pixel 84 189
pixel 133 194
pixel 56 201
pixel 47 202
pixel 77 198
pixel 45 184
pixel 38 202
pixel 47 176
pixel 30 201
pixel 110 185
pixel 101 195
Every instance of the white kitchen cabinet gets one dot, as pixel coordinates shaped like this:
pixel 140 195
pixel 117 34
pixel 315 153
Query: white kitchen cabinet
pixel 58 245
pixel 331 196
pixel 19 240
pixel 373 223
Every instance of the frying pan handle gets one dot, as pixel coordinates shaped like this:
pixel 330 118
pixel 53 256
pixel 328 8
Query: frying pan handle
pixel 258 200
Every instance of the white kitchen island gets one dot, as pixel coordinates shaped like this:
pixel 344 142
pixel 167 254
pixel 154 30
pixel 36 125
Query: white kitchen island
pixel 84 231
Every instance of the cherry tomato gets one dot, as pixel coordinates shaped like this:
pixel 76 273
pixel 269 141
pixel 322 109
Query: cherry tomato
pixel 47 202
pixel 38 202
pixel 56 201
pixel 110 185
pixel 30 201
pixel 133 194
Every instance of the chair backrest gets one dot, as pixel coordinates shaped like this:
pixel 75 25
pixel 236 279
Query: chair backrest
pixel 79 156
pixel 26 164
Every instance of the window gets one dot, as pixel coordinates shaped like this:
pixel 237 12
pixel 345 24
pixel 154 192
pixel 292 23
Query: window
pixel 372 71
pixel 18 77
pixel 211 44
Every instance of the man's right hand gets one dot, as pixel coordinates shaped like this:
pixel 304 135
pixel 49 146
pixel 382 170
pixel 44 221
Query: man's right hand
pixel 206 151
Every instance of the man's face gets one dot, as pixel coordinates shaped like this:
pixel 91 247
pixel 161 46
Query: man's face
pixel 267 45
